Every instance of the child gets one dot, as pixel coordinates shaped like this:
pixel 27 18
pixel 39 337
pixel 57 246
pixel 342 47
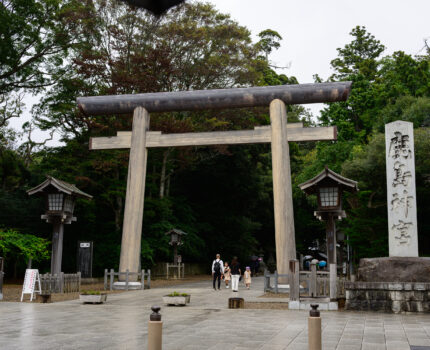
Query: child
pixel 227 274
pixel 247 277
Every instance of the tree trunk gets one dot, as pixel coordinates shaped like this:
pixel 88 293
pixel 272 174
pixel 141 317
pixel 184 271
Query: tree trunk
pixel 168 185
pixel 118 212
pixel 163 173
pixel 118 207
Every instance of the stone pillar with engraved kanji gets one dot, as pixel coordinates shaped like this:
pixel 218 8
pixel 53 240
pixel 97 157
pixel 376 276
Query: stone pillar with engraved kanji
pixel 401 195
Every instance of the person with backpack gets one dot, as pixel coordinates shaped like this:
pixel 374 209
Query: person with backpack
pixel 217 271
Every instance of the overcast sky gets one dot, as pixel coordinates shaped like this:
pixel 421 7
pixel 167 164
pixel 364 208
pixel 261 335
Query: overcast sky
pixel 313 29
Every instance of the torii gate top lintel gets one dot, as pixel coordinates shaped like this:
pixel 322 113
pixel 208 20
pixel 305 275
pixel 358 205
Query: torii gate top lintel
pixel 215 99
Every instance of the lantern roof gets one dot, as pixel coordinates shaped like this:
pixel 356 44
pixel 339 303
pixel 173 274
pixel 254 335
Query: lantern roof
pixel 175 230
pixel 61 186
pixel 328 177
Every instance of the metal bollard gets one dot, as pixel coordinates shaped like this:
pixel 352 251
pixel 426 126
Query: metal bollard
pixel 314 328
pixel 155 329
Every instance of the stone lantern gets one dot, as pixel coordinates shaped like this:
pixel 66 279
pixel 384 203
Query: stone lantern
pixel 329 186
pixel 60 199
pixel 176 237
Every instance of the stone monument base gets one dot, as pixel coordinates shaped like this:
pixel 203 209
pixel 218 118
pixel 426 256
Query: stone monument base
pixel 392 284
pixel 394 269
pixel 131 285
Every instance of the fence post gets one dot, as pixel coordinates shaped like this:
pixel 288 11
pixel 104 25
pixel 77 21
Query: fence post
pixel 294 280
pixel 126 279
pixel 62 282
pixel 105 279
pixel 314 328
pixel 142 279
pixel 167 266
pixel 333 278
pixel 155 330
pixel 265 281
pixel 276 281
pixel 112 276
pixel 313 281
pixel 79 281
pixel 149 279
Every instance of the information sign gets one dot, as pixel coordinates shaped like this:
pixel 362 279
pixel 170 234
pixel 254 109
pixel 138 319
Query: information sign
pixel 30 279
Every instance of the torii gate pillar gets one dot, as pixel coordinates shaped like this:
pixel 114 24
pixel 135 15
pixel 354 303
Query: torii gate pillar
pixel 282 189
pixel 134 199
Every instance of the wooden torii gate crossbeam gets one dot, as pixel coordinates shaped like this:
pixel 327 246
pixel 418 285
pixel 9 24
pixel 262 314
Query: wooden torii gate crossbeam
pixel 278 134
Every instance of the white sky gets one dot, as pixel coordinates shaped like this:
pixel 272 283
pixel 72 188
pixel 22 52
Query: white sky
pixel 313 29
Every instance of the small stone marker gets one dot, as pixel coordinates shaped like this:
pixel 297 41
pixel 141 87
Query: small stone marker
pixel 401 196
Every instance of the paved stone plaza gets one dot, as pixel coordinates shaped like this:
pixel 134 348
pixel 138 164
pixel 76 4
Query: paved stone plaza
pixel 205 324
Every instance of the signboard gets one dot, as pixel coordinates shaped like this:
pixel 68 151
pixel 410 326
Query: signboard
pixel 85 259
pixel 179 259
pixel 30 279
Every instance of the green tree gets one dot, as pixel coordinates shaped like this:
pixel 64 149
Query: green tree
pixel 16 246
pixel 358 57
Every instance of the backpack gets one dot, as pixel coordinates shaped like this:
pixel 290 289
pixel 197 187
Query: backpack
pixel 217 267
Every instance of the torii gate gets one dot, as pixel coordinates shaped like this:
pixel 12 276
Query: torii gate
pixel 278 134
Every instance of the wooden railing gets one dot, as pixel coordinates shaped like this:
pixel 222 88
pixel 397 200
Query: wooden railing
pixel 313 283
pixel 110 275
pixel 61 283
pixel 268 286
pixel 179 268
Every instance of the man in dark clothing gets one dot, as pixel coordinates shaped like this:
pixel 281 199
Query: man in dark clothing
pixel 217 270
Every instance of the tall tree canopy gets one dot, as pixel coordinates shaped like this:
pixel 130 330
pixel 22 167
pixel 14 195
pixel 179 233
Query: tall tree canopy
pixel 220 196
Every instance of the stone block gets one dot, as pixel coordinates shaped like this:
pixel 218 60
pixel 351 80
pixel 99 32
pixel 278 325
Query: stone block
pixel 396 306
pixel 407 286
pixel 396 295
pixel 378 305
pixel 394 269
pixel 416 306
pixel 395 286
pixel 420 286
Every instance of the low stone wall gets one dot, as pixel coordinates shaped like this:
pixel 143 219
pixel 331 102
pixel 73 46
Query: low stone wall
pixel 388 296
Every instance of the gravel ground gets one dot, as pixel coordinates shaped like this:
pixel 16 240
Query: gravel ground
pixel 12 292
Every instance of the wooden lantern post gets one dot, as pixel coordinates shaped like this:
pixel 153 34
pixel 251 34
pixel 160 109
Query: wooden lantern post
pixel 328 186
pixel 60 202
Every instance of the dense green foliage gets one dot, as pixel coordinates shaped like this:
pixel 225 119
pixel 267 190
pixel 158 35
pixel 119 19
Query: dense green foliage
pixel 19 248
pixel 221 196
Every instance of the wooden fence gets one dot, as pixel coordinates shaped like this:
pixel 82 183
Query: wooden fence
pixel 268 286
pixel 178 268
pixel 313 283
pixel 62 283
pixel 110 275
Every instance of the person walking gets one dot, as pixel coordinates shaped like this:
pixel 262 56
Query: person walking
pixel 227 275
pixel 217 271
pixel 235 274
pixel 247 277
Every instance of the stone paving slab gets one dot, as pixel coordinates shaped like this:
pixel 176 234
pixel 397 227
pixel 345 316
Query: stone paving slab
pixel 206 323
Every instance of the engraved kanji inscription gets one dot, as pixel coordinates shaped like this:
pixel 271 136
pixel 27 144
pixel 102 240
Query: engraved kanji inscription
pixel 402 202
pixel 402 176
pixel 402 232
pixel 399 146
